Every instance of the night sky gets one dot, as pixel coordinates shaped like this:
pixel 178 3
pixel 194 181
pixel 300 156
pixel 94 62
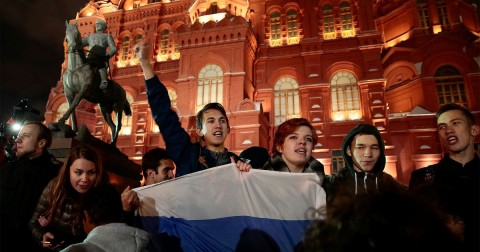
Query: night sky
pixel 31 44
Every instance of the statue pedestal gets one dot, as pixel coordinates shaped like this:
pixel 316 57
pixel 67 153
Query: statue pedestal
pixel 121 171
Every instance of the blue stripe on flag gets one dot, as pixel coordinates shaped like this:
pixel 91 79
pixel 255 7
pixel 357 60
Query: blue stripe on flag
pixel 228 234
pixel 223 209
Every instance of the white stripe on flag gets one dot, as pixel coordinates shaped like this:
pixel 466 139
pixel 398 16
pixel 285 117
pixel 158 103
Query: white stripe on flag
pixel 223 209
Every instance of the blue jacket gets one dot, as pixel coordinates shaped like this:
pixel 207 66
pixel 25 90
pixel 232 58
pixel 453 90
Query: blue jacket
pixel 188 157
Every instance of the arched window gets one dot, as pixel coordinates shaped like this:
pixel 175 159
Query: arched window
pixel 125 47
pixel 173 97
pixel 126 120
pixel 292 27
pixel 275 33
pixel 287 101
pixel 138 38
pixel 328 22
pixel 61 110
pixel 347 20
pixel 345 97
pixel 210 85
pixel 450 86
pixel 163 54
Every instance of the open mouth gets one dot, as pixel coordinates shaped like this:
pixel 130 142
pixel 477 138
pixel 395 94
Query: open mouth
pixel 301 151
pixel 83 187
pixel 452 140
pixel 218 133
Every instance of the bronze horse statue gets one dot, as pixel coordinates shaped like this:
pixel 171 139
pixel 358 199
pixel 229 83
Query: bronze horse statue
pixel 81 81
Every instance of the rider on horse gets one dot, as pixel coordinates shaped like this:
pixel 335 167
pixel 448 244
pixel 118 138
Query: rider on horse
pixel 98 55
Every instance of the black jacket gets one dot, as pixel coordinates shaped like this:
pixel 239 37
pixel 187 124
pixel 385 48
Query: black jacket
pixel 62 224
pixel 456 191
pixel 276 163
pixel 21 184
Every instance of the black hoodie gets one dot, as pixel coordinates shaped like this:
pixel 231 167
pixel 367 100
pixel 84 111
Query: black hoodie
pixel 350 182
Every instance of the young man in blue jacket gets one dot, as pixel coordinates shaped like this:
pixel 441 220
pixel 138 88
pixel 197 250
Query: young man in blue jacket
pixel 211 122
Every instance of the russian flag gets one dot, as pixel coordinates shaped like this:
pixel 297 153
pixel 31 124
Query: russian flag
pixel 223 209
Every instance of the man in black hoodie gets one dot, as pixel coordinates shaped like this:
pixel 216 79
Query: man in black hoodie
pixel 364 155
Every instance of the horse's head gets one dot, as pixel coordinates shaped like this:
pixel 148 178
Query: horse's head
pixel 73 37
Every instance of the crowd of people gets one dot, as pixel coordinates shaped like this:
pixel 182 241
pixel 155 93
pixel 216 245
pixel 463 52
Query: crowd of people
pixel 70 206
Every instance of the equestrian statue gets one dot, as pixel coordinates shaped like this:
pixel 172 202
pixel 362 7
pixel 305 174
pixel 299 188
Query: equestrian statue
pixel 86 77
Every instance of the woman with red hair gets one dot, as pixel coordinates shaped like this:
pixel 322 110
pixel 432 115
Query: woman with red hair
pixel 292 148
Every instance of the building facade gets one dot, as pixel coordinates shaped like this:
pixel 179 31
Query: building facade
pixel 337 63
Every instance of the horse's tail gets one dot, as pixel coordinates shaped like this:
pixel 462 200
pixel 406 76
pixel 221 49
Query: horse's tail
pixel 127 109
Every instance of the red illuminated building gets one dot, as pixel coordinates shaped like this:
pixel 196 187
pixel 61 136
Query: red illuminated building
pixel 337 63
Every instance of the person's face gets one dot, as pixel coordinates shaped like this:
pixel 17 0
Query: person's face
pixel 83 174
pixel 215 128
pixel 99 27
pixel 365 152
pixel 297 147
pixel 456 135
pixel 26 144
pixel 165 171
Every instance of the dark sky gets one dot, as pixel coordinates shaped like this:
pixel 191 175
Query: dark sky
pixel 31 44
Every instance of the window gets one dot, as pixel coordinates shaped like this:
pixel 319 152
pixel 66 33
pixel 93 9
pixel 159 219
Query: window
pixel 125 47
pixel 213 8
pixel 450 86
pixel 423 13
pixel 61 110
pixel 345 97
pixel 210 85
pixel 442 12
pixel 337 161
pixel 136 4
pixel 138 38
pixel 275 34
pixel 287 101
pixel 172 94
pixel 126 120
pixel 292 27
pixel 163 54
pixel 347 20
pixel 328 22
pixel 176 52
